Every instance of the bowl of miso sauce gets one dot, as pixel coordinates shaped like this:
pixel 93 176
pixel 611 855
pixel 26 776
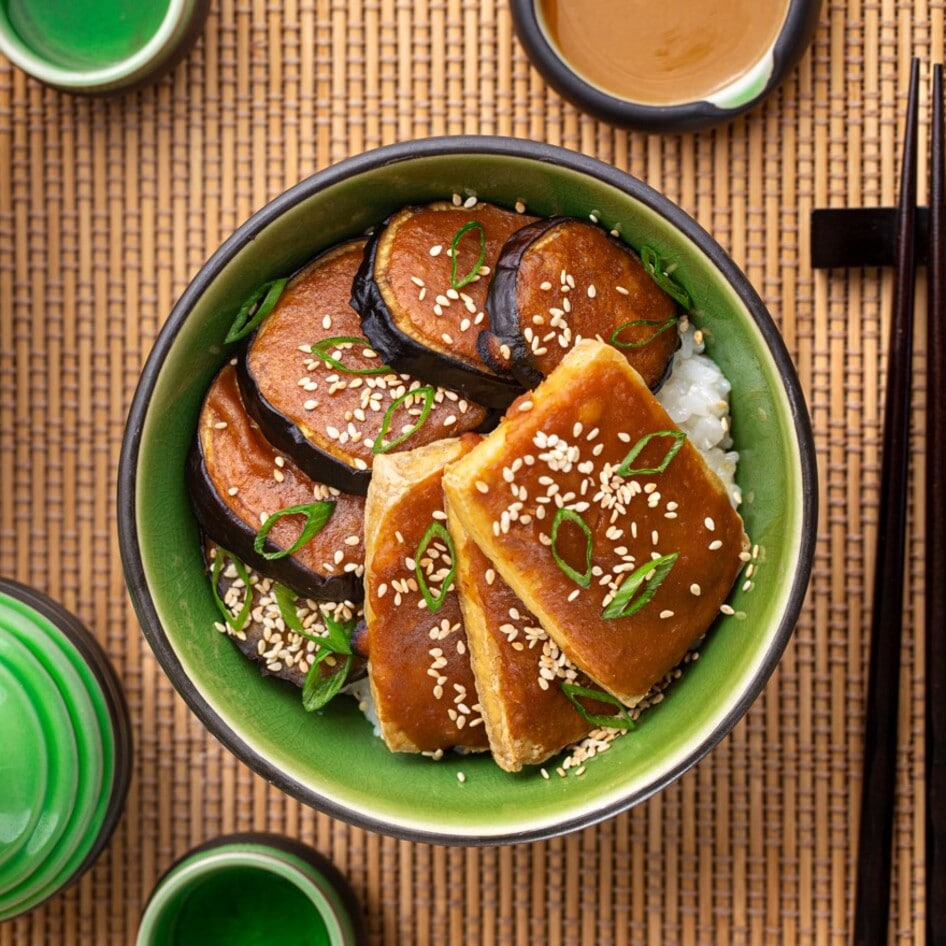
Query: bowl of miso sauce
pixel 678 65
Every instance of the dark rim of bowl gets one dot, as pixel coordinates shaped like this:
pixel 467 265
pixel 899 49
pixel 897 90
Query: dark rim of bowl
pixel 392 154
pixel 94 655
pixel 794 38
pixel 280 842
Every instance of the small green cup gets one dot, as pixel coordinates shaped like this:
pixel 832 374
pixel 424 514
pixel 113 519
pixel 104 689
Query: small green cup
pixel 99 46
pixel 244 889
pixel 67 749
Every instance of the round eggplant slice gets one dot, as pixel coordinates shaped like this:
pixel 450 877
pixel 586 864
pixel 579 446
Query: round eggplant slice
pixel 322 393
pixel 258 627
pixel 238 480
pixel 562 279
pixel 421 293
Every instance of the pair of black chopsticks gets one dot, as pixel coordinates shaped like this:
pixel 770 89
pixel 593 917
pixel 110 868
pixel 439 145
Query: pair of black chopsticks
pixel 872 900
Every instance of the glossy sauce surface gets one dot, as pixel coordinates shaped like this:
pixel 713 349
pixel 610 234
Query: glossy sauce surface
pixel 342 412
pixel 661 54
pixel 254 485
pixel 414 267
pixel 564 450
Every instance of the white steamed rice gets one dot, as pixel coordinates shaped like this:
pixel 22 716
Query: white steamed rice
pixel 696 396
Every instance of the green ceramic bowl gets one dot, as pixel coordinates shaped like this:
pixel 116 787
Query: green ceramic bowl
pixel 332 760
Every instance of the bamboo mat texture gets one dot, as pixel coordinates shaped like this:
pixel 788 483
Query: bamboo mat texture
pixel 109 206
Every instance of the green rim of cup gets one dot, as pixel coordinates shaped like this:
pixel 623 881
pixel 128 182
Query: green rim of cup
pixel 284 859
pixel 51 667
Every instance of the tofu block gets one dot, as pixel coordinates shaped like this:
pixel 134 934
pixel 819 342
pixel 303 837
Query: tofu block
pixel 518 668
pixel 603 519
pixel 418 660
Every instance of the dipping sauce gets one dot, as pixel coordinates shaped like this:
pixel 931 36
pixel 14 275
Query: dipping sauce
pixel 83 34
pixel 665 54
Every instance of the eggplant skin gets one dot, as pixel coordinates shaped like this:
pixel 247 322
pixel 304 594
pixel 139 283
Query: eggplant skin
pixel 283 434
pixel 505 330
pixel 409 356
pixel 503 346
pixel 219 524
pixel 254 631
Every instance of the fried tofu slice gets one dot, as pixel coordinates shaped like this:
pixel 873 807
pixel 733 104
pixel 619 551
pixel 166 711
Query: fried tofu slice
pixel 519 669
pixel 603 519
pixel 418 660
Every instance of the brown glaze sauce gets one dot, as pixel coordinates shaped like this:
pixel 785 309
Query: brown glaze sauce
pixel 414 269
pixel 662 53
pixel 341 413
pixel 420 665
pixel 521 665
pixel 255 481
pixel 574 283
pixel 569 443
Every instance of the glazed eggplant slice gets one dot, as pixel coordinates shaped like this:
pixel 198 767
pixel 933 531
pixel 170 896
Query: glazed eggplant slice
pixel 288 636
pixel 321 393
pixel 421 293
pixel 419 664
pixel 562 279
pixel 604 519
pixel 534 700
pixel 242 488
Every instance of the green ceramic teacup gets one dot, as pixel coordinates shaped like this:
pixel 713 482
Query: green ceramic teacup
pixel 99 46
pixel 251 888
pixel 331 759
pixel 67 749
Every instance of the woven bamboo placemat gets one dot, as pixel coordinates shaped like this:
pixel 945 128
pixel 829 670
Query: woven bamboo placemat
pixel 108 207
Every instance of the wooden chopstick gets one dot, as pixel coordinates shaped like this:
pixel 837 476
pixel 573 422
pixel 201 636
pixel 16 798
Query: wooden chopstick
pixel 872 898
pixel 936 535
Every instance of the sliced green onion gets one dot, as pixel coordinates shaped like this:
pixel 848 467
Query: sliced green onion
pixel 338 638
pixel 621 720
pixel 657 269
pixel 316 515
pixel 235 622
pixel 255 309
pixel 321 350
pixel 639 587
pixel 625 469
pixel 481 258
pixel 286 599
pixel 660 327
pixel 435 530
pixel 427 392
pixel 318 689
pixel 569 515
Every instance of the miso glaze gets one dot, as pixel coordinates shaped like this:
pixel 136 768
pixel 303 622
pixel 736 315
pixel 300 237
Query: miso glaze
pixel 662 53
